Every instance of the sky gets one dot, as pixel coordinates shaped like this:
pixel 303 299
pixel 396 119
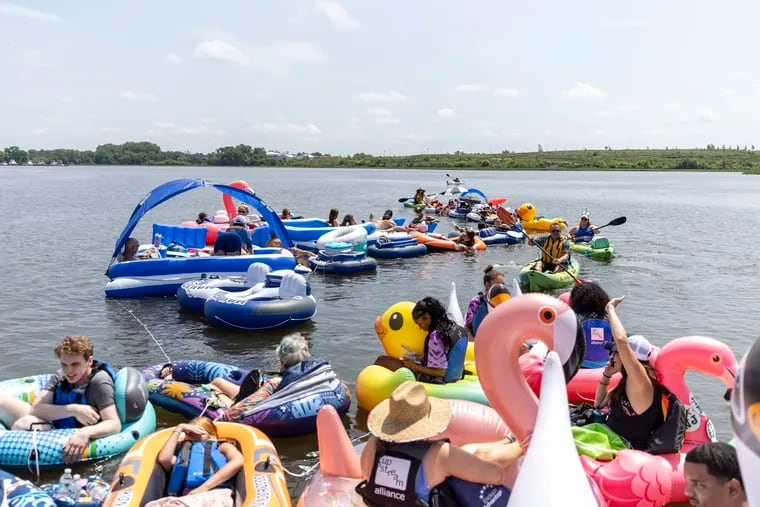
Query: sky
pixel 381 77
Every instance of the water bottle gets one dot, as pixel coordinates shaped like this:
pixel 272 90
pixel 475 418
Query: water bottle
pixel 98 489
pixel 157 240
pixel 66 480
pixel 79 483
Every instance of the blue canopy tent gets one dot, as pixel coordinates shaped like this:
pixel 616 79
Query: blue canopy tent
pixel 473 194
pixel 170 189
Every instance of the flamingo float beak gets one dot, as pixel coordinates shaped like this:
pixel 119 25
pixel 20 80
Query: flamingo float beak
pixel 728 378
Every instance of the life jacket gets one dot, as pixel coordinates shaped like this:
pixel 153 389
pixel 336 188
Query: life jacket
pixel 300 370
pixel 584 234
pixel 597 332
pixel 66 393
pixel 196 463
pixel 480 314
pixel 554 247
pixel 394 476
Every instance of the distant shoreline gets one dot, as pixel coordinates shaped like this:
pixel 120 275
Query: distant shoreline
pixel 710 159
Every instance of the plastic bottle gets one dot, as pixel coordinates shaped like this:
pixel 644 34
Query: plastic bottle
pixel 157 240
pixel 98 489
pixel 66 480
pixel 78 483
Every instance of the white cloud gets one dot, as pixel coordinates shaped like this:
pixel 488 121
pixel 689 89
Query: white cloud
pixel 737 75
pixel 144 97
pixel 627 107
pixel 388 120
pixel 378 111
pixel 299 50
pixel 194 131
pixel 338 16
pixel 584 91
pixel 472 87
pixel 164 124
pixel 507 92
pixel 38 131
pixel 391 96
pixel 220 51
pixel 654 132
pixel 19 11
pixel 37 59
pixel 109 129
pixel 625 24
pixel 173 58
pixel 707 115
pixel 446 112
pixel 290 128
pixel 673 106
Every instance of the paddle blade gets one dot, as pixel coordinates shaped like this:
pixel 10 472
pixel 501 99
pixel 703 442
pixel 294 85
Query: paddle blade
pixel 404 199
pixel 495 201
pixel 505 216
pixel 618 221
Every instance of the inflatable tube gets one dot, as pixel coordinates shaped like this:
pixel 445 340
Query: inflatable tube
pixel 340 259
pixel 162 277
pixel 493 236
pixel 17 448
pixel 276 307
pixel 340 472
pixel 261 482
pixel 192 295
pixel 394 245
pixel 537 281
pixel 287 412
pixel 745 419
pixel 354 235
pixel 22 493
pixel 553 437
pixel 438 242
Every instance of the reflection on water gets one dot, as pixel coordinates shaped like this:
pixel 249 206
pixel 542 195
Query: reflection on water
pixel 686 264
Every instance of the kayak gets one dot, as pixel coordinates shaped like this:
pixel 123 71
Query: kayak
pixel 598 248
pixel 537 281
pixel 411 203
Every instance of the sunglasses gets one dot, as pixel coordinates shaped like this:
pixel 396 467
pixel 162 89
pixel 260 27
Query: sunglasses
pixel 555 230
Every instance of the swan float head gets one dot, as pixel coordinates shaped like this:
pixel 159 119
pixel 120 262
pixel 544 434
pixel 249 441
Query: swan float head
pixel 497 350
pixel 396 329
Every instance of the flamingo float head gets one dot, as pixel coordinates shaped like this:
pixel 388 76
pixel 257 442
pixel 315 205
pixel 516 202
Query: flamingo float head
pixel 700 353
pixel 497 346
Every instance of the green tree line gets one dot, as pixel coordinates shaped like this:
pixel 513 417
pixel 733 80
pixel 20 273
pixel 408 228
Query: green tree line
pixel 711 158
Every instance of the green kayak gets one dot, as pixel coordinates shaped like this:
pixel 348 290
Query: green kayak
pixel 537 281
pixel 598 248
pixel 411 204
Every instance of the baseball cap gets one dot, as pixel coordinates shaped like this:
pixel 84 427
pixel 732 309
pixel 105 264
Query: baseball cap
pixel 641 347
pixel 240 219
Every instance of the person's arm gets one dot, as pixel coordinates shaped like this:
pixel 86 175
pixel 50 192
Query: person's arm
pixel 566 256
pixel 166 457
pixel 418 368
pixel 502 452
pixel 571 232
pixel 458 463
pixel 234 464
pixel 639 386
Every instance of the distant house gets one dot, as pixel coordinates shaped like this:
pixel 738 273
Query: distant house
pixel 277 155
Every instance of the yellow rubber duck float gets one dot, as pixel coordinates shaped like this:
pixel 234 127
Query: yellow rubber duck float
pixel 527 213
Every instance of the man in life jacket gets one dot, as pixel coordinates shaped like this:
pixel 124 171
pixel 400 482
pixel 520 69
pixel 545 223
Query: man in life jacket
pixel 79 395
pixel 555 250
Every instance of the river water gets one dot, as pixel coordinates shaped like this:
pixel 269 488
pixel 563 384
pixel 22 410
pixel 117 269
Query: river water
pixel 687 264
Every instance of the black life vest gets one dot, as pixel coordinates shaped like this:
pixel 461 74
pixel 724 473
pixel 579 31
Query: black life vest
pixel 67 393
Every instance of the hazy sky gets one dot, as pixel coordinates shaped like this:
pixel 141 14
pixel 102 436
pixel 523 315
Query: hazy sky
pixel 380 76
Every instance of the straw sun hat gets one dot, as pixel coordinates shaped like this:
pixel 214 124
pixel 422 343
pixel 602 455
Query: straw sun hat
pixel 409 415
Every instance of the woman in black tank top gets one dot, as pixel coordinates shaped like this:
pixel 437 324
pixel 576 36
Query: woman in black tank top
pixel 633 413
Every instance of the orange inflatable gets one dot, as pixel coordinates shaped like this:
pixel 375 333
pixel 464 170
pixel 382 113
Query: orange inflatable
pixel 439 242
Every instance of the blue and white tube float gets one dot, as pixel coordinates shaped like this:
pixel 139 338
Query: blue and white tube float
pixel 18 448
pixel 494 236
pixel 192 295
pixel 162 277
pixel 394 245
pixel 22 493
pixel 272 307
pixel 341 259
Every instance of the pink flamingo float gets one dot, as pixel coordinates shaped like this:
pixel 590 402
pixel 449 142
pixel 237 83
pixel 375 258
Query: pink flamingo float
pixel 212 229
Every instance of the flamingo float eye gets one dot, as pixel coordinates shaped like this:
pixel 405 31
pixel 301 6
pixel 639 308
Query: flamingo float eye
pixel 715 358
pixel 396 321
pixel 547 315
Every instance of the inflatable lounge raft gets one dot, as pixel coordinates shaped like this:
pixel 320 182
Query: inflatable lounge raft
pixel 22 493
pixel 192 295
pixel 537 281
pixel 394 245
pixel 341 259
pixel 597 248
pixel 18 448
pixel 140 479
pixel 287 304
pixel 291 410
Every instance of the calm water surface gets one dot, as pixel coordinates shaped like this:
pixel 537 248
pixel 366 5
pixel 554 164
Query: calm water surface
pixel 687 263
